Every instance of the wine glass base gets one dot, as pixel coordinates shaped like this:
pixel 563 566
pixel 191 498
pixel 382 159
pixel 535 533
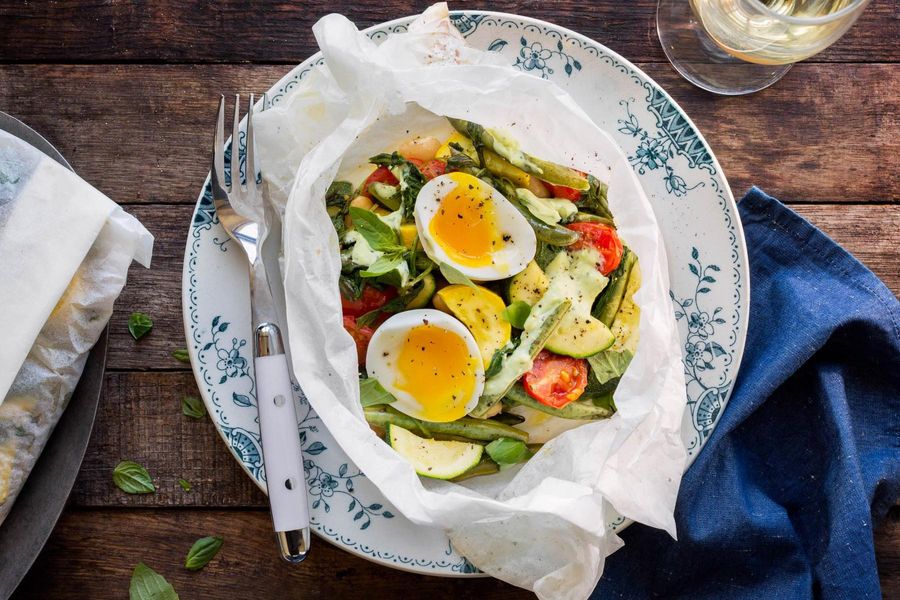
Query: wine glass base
pixel 701 61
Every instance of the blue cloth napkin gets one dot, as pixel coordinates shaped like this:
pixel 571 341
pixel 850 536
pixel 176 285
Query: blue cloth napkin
pixel 782 501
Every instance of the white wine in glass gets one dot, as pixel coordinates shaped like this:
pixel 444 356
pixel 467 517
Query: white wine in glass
pixel 741 46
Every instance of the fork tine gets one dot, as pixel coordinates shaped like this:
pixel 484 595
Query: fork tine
pixel 236 147
pixel 251 162
pixel 218 166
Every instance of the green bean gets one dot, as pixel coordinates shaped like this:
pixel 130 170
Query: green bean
pixel 573 410
pixel 556 235
pixel 583 217
pixel 548 171
pixel 611 299
pixel 508 418
pixel 466 427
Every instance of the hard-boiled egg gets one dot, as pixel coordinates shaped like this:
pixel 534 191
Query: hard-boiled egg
pixel 430 362
pixel 466 223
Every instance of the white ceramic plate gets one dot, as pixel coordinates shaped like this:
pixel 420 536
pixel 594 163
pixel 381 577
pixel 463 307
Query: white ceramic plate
pixel 707 265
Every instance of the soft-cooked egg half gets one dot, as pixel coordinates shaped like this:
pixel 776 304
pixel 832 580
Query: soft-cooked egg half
pixel 430 363
pixel 466 223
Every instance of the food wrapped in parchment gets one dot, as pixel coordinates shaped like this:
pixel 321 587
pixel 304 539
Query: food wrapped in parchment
pixel 65 250
pixel 540 525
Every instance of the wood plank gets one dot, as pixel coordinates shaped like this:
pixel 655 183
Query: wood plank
pixel 139 418
pixel 89 557
pixel 280 31
pixel 142 134
pixel 870 232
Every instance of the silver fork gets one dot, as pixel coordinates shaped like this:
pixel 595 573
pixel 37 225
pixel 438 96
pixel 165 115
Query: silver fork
pixel 281 449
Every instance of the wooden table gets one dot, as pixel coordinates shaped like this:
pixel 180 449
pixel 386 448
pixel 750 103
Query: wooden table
pixel 126 91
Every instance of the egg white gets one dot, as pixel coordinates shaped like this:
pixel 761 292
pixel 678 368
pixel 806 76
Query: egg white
pixel 385 345
pixel 513 256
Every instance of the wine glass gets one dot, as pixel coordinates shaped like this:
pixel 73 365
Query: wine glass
pixel 736 47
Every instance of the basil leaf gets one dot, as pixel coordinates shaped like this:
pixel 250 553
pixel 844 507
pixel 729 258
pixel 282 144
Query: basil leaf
pixel 507 452
pixel 496 364
pixel 452 275
pixel 337 200
pixel 132 478
pixel 139 325
pixel 376 232
pixel 350 285
pixel 147 584
pixel 193 407
pixel 517 313
pixel 371 393
pixel 202 552
pixel 181 355
pixel 393 306
pixel 608 365
pixel 185 484
pixel 384 265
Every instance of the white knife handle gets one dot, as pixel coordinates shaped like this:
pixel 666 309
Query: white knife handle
pixel 282 455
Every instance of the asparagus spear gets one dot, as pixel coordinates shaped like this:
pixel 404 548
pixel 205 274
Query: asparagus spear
pixel 548 171
pixel 472 429
pixel 531 343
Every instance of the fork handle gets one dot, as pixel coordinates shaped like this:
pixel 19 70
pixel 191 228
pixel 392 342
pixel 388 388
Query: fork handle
pixel 282 454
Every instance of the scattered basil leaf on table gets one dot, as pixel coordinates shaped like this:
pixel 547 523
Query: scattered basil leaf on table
pixel 371 393
pixel 506 452
pixel 193 407
pixel 452 275
pixel 139 324
pixel 132 478
pixel 185 484
pixel 181 355
pixel 202 552
pixel 147 584
pixel 517 313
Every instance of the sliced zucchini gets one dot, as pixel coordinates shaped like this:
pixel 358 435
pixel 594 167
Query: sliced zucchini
pixel 528 285
pixel 434 458
pixel 423 297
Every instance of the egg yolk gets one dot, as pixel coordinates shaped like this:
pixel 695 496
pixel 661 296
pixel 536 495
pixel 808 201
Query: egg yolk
pixel 465 225
pixel 434 366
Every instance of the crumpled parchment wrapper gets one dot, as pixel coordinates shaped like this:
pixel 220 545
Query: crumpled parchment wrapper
pixel 90 242
pixel 541 526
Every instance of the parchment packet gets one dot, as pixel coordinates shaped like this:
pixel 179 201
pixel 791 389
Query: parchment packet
pixel 66 250
pixel 543 526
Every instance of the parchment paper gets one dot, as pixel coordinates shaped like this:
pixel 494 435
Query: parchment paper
pixel 65 250
pixel 541 527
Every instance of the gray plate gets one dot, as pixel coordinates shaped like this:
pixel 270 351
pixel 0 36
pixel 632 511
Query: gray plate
pixel 42 499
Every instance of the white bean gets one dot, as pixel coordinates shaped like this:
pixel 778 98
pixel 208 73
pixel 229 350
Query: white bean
pixel 420 148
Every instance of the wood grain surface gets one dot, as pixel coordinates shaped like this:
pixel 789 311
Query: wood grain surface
pixel 196 31
pixel 157 119
pixel 126 91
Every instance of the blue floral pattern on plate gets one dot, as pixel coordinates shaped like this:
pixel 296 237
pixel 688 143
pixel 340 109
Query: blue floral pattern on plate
pixel 707 270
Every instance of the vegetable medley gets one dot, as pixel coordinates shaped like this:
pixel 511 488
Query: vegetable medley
pixel 481 284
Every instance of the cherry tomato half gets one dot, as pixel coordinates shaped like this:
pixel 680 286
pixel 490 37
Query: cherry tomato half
pixel 556 380
pixel 370 299
pixel 604 239
pixel 379 175
pixel 561 191
pixel 361 335
pixel 431 168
